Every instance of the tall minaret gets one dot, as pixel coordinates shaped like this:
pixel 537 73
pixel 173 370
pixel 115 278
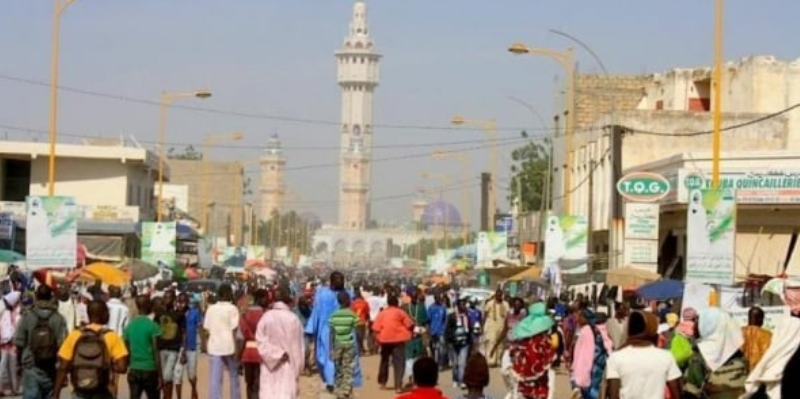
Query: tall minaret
pixel 271 187
pixel 358 77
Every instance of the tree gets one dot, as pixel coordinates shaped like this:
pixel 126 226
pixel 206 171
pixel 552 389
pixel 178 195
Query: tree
pixel 286 230
pixel 530 170
pixel 188 153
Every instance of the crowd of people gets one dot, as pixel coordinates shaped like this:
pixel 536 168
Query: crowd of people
pixel 88 340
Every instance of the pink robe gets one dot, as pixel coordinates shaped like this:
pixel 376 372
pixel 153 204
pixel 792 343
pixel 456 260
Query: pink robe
pixel 279 331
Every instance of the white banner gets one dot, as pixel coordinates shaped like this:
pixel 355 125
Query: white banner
pixel 641 235
pixel 711 236
pixel 51 232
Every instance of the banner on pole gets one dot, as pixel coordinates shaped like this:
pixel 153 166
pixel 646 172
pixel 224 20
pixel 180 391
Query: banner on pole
pixel 711 236
pixel 51 232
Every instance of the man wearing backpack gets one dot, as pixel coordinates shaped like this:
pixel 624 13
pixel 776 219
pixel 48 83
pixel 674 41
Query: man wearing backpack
pixel 173 327
pixel 89 355
pixel 39 334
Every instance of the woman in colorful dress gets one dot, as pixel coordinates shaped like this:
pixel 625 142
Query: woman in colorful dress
pixel 589 356
pixel 532 354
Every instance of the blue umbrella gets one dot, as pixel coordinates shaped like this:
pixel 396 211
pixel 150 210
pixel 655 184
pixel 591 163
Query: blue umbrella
pixel 662 290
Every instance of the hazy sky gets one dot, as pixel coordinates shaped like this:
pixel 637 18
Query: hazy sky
pixel 274 58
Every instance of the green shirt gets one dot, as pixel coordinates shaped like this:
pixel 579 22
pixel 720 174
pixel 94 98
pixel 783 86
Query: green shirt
pixel 139 337
pixel 343 324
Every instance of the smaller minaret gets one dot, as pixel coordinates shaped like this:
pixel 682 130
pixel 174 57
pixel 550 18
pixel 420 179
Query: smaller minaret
pixel 272 188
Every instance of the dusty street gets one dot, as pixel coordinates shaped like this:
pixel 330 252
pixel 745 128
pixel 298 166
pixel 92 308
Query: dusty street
pixel 310 386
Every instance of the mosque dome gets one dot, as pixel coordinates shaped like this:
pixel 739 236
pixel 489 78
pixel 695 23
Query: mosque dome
pixel 440 213
pixel 312 219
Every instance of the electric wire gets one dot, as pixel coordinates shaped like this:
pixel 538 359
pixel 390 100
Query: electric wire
pixel 241 114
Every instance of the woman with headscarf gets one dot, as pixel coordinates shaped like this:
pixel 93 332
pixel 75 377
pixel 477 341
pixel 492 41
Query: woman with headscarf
pixel 631 377
pixel 589 357
pixel 532 353
pixel 717 368
pixel 776 374
pixel 684 338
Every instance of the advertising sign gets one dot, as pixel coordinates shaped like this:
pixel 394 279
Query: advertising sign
pixel 641 221
pixel 711 236
pixel 566 243
pixel 750 187
pixel 51 232
pixel 489 246
pixel 643 187
pixel 158 243
pixel 641 235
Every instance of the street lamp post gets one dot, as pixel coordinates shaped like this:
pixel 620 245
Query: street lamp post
pixel 209 142
pixel 566 60
pixel 464 159
pixel 490 128
pixel 58 10
pixel 165 101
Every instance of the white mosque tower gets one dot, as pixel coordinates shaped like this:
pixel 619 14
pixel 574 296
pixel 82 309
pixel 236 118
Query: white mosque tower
pixel 271 187
pixel 358 77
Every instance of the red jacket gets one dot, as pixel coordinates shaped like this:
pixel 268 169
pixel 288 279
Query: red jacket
pixel 423 393
pixel 393 325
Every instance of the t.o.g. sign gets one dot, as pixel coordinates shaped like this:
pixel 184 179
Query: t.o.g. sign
pixel 643 187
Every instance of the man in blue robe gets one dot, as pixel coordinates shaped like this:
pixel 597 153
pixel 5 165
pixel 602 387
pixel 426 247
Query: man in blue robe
pixel 325 304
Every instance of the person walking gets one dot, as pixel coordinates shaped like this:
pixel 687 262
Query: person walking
pixel 279 336
pixel 170 343
pixel 459 337
pixel 140 336
pixel 361 309
pixel 426 378
pixel 756 337
pixel 39 335
pixel 221 322
pixel 344 323
pixel 415 347
pixel 437 320
pixel 629 377
pixel 392 329
pixel 494 312
pixel 117 321
pixel 9 319
pixel 325 303
pixel 250 359
pixel 90 374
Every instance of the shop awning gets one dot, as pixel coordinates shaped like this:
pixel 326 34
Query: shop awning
pixel 762 253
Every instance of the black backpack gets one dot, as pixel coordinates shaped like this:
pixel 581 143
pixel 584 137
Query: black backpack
pixel 91 365
pixel 43 342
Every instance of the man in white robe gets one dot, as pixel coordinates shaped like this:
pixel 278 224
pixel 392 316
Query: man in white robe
pixel 279 336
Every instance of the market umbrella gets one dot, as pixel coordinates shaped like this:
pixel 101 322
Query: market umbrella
pixel 139 269
pixel 662 290
pixel 9 256
pixel 105 272
pixel 255 263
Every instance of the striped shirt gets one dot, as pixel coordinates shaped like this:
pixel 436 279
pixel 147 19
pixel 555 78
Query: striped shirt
pixel 343 324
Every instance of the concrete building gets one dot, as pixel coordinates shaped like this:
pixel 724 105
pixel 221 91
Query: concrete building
pixel 358 78
pixel 671 116
pixel 109 180
pixel 272 189
pixel 215 196
pixel 767 187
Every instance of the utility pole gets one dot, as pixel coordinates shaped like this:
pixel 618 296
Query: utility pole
pixel 616 231
pixel 590 211
pixel 486 185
